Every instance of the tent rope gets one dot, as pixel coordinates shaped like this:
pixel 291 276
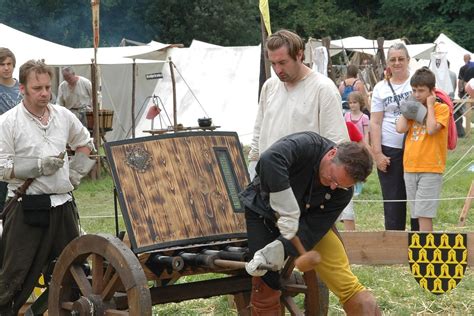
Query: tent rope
pixel 190 90
pixel 105 215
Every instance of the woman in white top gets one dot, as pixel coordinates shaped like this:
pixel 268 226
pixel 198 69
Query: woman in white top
pixel 387 144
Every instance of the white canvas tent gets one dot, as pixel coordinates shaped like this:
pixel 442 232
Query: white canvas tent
pixel 115 70
pixel 368 46
pixel 26 47
pixel 116 83
pixel 454 52
pixel 218 82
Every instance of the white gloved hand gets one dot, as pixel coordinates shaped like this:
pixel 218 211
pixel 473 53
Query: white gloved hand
pixel 251 169
pixel 285 204
pixel 50 165
pixel 79 166
pixel 26 167
pixel 288 226
pixel 74 178
pixel 273 253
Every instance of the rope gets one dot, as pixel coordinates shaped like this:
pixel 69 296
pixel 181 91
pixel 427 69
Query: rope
pixel 99 216
pixel 355 200
pixel 190 90
pixel 416 200
pixel 461 169
pixel 457 162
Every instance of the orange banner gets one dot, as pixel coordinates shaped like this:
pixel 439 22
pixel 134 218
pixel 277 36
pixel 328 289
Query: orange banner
pixel 95 21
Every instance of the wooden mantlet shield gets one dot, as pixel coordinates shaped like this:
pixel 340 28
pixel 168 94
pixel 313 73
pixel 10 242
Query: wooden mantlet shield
pixel 437 260
pixel 179 189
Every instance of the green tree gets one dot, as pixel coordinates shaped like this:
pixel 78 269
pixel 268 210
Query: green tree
pixel 228 23
pixel 236 22
pixel 422 21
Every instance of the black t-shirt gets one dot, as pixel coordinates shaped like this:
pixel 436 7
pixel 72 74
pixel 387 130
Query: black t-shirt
pixel 462 71
pixel 469 73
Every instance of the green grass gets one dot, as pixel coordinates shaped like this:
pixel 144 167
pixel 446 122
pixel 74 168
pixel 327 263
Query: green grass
pixel 396 290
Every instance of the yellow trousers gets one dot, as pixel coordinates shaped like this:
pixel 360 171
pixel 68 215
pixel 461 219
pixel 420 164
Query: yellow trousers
pixel 334 269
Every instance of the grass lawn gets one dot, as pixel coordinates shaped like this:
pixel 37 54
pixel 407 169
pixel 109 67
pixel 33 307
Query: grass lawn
pixel 396 290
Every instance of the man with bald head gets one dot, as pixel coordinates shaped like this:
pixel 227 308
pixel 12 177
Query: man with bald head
pixel 466 72
pixel 75 93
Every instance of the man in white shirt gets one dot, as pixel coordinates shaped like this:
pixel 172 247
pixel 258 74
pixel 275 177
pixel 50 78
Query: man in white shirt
pixel 33 140
pixel 300 99
pixel 75 93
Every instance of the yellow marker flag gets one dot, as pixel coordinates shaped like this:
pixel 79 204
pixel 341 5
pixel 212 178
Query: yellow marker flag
pixel 265 11
pixel 95 21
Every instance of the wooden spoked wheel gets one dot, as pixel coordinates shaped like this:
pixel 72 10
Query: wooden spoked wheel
pixel 116 284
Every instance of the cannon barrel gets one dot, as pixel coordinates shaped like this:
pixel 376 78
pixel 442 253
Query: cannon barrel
pixel 236 249
pixel 213 262
pixel 175 263
pixel 198 259
pixel 228 255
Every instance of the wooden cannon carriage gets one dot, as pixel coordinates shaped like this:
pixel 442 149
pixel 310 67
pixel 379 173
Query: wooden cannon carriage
pixel 178 194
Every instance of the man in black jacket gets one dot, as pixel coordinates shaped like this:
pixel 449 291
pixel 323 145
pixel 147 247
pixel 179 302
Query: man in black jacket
pixel 303 183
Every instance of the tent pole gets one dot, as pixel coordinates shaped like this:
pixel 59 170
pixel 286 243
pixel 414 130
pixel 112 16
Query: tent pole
pixel 327 43
pixel 95 5
pixel 95 114
pixel 381 54
pixel 175 111
pixel 133 97
pixel 264 64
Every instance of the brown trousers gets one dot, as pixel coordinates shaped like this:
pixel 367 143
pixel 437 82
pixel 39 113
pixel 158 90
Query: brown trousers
pixel 25 250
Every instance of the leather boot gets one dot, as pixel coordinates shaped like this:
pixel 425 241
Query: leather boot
pixel 264 301
pixel 362 304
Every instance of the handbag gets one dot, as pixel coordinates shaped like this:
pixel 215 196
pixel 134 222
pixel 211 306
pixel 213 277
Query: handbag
pixel 36 209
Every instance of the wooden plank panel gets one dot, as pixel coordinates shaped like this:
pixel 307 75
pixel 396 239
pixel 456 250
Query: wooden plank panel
pixel 386 247
pixel 182 194
pixel 200 289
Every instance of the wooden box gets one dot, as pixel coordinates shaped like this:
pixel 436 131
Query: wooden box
pixel 106 118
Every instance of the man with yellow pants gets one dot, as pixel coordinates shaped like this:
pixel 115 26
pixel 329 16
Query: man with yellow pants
pixel 302 184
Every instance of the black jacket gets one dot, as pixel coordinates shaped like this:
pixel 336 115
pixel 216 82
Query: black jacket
pixel 293 161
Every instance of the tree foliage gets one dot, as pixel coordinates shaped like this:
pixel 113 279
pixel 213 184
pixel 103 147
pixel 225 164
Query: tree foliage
pixel 237 22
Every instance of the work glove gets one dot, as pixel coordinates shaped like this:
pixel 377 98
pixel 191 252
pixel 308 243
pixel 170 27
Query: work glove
pixel 413 110
pixel 50 165
pixel 251 169
pixel 79 166
pixel 273 254
pixel 25 168
pixel 288 212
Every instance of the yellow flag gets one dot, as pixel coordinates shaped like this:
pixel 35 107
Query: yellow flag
pixel 265 11
pixel 95 21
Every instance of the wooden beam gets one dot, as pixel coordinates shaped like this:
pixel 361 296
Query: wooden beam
pixel 386 247
pixel 200 289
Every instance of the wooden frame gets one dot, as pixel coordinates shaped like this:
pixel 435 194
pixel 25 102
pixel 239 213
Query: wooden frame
pixel 386 247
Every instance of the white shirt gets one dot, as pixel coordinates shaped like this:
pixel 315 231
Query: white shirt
pixel 383 100
pixel 314 104
pixel 22 135
pixel 439 66
pixel 76 97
